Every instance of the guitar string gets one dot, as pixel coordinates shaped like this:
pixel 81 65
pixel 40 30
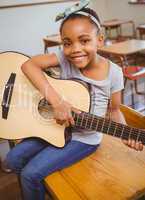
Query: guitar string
pixel 119 124
pixel 97 118
pixel 138 136
pixel 112 123
pixel 139 131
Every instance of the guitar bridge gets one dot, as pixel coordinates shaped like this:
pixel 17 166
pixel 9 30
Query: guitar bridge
pixel 7 95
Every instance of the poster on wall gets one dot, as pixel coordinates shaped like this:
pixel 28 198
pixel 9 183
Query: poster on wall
pixel 20 3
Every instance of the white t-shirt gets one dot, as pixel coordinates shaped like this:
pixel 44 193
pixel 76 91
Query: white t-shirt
pixel 100 94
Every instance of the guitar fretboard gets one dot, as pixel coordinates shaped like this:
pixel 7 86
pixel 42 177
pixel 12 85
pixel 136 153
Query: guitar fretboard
pixel 92 122
pixel 104 125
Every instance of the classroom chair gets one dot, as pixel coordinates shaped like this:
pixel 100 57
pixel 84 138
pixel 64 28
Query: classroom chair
pixel 133 73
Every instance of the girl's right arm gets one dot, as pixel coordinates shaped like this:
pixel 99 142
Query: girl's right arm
pixel 33 69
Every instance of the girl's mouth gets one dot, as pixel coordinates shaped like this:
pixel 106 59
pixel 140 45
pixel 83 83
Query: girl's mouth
pixel 78 58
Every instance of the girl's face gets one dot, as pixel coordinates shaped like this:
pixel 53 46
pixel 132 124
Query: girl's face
pixel 80 42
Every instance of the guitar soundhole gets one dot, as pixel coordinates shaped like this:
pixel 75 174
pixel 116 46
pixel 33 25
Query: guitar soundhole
pixel 45 109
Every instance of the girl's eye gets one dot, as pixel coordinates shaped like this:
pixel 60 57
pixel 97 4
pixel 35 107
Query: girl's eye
pixel 66 44
pixel 85 41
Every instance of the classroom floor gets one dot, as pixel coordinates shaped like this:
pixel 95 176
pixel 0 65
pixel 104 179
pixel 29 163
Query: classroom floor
pixel 9 189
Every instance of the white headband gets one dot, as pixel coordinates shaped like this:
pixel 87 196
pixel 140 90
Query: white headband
pixel 91 16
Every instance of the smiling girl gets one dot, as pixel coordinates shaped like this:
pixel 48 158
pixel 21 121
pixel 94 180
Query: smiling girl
pixel 34 159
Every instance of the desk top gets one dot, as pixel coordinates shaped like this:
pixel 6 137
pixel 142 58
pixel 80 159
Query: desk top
pixel 52 39
pixel 113 172
pixel 141 26
pixel 115 22
pixel 124 48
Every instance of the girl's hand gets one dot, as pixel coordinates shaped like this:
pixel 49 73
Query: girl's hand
pixel 63 113
pixel 138 146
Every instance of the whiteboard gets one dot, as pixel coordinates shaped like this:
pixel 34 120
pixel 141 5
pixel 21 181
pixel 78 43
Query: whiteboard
pixel 15 3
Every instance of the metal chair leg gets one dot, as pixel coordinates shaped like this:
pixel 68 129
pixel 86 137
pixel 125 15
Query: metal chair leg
pixel 11 143
pixel 132 96
pixel 136 89
pixel 123 91
pixel 4 165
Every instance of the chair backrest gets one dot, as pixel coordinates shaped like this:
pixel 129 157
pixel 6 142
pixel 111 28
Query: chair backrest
pixel 141 30
pixel 132 117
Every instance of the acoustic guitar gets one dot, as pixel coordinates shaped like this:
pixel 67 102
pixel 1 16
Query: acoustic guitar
pixel 25 112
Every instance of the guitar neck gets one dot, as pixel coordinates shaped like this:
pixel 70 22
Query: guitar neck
pixel 92 122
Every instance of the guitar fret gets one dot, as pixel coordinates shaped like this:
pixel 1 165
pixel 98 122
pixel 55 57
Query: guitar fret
pixel 81 120
pixel 118 131
pixel 77 119
pixel 142 136
pixel 92 120
pixel 90 123
pixel 126 133
pixel 111 128
pixel 139 132
pixel 122 132
pixel 86 122
pixel 134 134
pixel 102 125
pixel 99 124
pixel 115 130
pixel 129 137
pixel 96 125
pixel 106 126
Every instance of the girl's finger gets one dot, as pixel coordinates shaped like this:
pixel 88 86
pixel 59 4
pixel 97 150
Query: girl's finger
pixel 129 143
pixel 71 120
pixel 67 124
pixel 125 142
pixel 140 146
pixel 60 122
pixel 133 143
pixel 137 146
pixel 76 110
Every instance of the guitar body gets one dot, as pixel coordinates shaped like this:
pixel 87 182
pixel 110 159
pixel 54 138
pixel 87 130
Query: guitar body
pixel 25 118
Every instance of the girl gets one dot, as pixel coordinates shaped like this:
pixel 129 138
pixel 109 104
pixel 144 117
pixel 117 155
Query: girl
pixel 34 159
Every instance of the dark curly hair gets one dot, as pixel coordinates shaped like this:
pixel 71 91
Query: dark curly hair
pixel 77 15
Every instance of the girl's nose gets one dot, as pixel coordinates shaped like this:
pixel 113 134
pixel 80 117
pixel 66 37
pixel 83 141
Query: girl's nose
pixel 76 47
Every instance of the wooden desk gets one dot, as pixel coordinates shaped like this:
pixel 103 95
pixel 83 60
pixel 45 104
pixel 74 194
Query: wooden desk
pixel 113 172
pixel 51 41
pixel 141 30
pixel 123 49
pixel 116 24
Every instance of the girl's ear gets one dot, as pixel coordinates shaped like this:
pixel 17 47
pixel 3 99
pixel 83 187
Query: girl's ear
pixel 100 40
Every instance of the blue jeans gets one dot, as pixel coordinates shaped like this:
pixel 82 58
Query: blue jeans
pixel 34 159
